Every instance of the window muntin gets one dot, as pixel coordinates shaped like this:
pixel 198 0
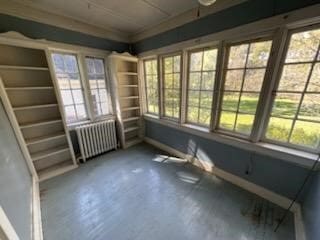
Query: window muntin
pixel 151 81
pixel 97 83
pixel 70 86
pixel 243 81
pixel 201 78
pixel 171 86
pixel 295 115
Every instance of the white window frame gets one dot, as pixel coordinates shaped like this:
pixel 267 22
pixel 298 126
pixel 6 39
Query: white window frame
pixel 269 36
pixel 286 38
pixel 81 55
pixel 155 58
pixel 187 81
pixel 161 85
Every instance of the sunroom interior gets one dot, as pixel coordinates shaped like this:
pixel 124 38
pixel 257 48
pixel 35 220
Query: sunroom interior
pixel 149 119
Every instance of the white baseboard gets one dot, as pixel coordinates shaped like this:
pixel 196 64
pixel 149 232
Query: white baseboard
pixel 271 196
pixel 36 212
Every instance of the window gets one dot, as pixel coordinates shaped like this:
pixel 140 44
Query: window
pixel 69 81
pixel 243 79
pixel 171 86
pixel 201 76
pixel 295 116
pixel 97 83
pixel 151 80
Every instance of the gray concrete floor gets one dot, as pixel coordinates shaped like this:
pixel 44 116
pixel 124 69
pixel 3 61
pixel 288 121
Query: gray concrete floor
pixel 140 193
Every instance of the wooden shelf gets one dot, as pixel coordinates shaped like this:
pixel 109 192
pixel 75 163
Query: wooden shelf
pixel 130 109
pixel 130 129
pixel 56 170
pixel 130 119
pixel 24 68
pixel 45 138
pixel 28 88
pixel 49 152
pixel 131 85
pixel 129 97
pixel 128 73
pixel 35 106
pixel 35 124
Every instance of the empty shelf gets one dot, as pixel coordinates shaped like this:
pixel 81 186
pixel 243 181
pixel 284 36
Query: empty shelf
pixel 45 138
pixel 35 124
pixel 130 108
pixel 35 106
pixel 130 97
pixel 128 73
pixel 49 152
pixel 130 129
pixel 132 141
pixel 23 67
pixel 56 170
pixel 129 86
pixel 130 119
pixel 28 88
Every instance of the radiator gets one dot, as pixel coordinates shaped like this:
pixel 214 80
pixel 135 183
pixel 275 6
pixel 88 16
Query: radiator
pixel 96 138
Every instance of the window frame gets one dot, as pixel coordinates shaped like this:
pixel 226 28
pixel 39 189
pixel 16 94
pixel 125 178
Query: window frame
pixel 213 91
pixel 154 58
pixel 162 73
pixel 283 55
pixel 270 36
pixel 84 80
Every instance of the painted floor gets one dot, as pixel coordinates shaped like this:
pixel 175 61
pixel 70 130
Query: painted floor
pixel 141 193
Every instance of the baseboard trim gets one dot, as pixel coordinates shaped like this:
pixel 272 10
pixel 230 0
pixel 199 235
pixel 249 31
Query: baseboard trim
pixel 271 196
pixel 37 233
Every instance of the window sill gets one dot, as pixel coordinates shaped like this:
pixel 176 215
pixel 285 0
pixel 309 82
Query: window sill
pixel 72 126
pixel 300 158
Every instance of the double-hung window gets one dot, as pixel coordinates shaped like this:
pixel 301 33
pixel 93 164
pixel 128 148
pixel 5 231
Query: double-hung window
pixel 70 86
pixel 98 88
pixel 201 78
pixel 171 86
pixel 74 87
pixel 295 116
pixel 243 78
pixel 151 85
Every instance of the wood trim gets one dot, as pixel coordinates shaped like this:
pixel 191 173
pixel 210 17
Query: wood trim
pixel 271 196
pixel 36 212
pixel 7 231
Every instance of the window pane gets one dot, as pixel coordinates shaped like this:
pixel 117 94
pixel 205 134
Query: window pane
pixel 196 61
pixel 67 74
pixel 104 108
pixel 205 116
pixel 193 98
pixel 248 103
pixel 253 80
pixel 233 80
pixel 103 95
pixel 90 65
pixel 279 129
pixel 227 120
pixel 168 80
pixel 168 65
pixel 294 77
pixel 230 101
pixel 303 46
pixel 237 56
pixel 306 134
pixel 177 63
pixel 259 54
pixel 151 79
pixel 210 60
pixel 310 107
pixel 99 66
pixel 244 123
pixel 206 99
pixel 314 84
pixel 207 80
pixel 193 114
pixel 194 81
pixel 286 104
pixel 176 80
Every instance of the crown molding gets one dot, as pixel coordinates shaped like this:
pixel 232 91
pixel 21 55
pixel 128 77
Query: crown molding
pixel 184 18
pixel 29 13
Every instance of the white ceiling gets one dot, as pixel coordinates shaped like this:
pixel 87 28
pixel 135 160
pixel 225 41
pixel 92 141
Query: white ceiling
pixel 128 16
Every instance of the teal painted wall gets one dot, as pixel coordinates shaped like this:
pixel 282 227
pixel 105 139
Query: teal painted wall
pixel 247 12
pixel 38 30
pixel 15 180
